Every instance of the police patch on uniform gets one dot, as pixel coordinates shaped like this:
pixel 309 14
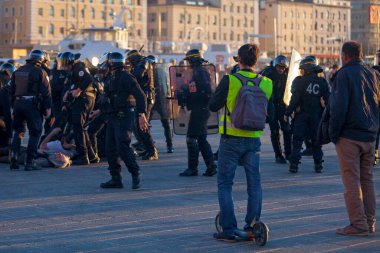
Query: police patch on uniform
pixel 81 73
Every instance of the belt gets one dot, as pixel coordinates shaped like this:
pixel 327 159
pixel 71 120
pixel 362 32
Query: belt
pixel 25 98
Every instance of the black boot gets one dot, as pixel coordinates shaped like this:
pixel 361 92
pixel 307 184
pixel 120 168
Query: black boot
pixel 115 182
pixel 211 171
pixel 189 173
pixel 318 167
pixel 293 168
pixel 170 149
pixel 136 181
pixel 280 159
pixel 14 164
pixel 32 166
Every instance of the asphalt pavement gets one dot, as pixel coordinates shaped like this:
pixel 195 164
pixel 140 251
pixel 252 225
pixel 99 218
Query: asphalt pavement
pixel 65 210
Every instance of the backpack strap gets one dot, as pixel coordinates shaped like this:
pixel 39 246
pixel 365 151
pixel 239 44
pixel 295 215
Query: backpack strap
pixel 244 80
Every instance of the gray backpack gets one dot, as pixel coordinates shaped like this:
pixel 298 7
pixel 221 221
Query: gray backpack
pixel 250 110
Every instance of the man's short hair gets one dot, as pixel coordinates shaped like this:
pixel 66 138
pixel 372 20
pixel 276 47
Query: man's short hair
pixel 352 49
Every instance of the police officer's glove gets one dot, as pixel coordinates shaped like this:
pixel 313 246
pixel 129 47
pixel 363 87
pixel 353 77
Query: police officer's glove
pixel 94 114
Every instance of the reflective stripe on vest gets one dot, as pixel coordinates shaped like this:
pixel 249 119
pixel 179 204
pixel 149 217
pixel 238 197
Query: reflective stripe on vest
pixel 233 91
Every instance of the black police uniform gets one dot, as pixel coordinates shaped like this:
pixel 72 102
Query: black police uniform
pixel 197 102
pixel 5 116
pixel 276 112
pixel 120 124
pixel 30 91
pixel 3 79
pixel 146 82
pixel 81 107
pixel 162 105
pixel 60 83
pixel 307 92
pixel 377 68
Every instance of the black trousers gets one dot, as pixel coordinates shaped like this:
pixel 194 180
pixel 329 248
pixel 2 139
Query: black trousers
pixel 306 125
pixel 196 143
pixel 94 129
pixel 26 111
pixel 80 110
pixel 118 142
pixel 277 122
pixel 145 137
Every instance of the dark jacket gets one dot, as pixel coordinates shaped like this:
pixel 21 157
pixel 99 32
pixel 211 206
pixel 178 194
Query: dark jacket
pixel 354 103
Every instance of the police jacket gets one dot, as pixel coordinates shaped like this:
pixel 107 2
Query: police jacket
pixel 279 84
pixel 199 97
pixel 306 94
pixel 225 96
pixel 118 88
pixel 354 103
pixel 31 80
pixel 60 83
pixel 5 108
pixel 3 80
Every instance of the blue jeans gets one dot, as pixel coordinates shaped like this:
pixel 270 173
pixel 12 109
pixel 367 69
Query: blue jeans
pixel 233 150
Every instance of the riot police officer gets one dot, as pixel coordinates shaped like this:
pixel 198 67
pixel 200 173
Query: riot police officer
pixel 278 73
pixel 197 98
pixel 31 98
pixel 142 69
pixel 83 96
pixel 162 104
pixel 308 91
pixel 377 68
pixel 6 72
pixel 120 121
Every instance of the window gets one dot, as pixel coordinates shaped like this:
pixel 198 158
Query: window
pixel 214 36
pixel 182 18
pixel 51 29
pixel 238 23
pixel 152 17
pixel 129 15
pixel 189 19
pixel 164 17
pixel 13 12
pixel 20 11
pixel 214 20
pixel 51 11
pixel 40 11
pixel 180 35
pixel 139 16
pixel 164 32
pixel 92 13
pixel 40 30
pixel 198 19
pixel 62 12
pixel 103 15
pixel 232 36
pixel 224 22
pixel 72 12
pixel 62 30
pixel 82 13
pixel 238 9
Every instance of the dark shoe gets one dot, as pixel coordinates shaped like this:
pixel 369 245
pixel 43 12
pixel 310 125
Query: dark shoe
pixel 211 171
pixel 318 167
pixel 293 168
pixel 307 152
pixel 351 231
pixel 113 183
pixel 151 156
pixel 81 161
pixel 189 173
pixel 32 166
pixel 136 181
pixel 95 160
pixel 170 149
pixel 280 159
pixel 225 237
pixel 216 155
pixel 13 165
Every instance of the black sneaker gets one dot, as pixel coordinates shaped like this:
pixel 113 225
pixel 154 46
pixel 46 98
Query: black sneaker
pixel 96 159
pixel 225 237
pixel 189 173
pixel 32 166
pixel 293 168
pixel 13 165
pixel 113 183
pixel 211 171
pixel 280 159
pixel 170 149
pixel 318 168
pixel 136 181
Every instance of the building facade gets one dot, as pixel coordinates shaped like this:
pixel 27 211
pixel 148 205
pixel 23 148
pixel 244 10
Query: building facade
pixel 315 27
pixel 366 24
pixel 176 25
pixel 27 23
